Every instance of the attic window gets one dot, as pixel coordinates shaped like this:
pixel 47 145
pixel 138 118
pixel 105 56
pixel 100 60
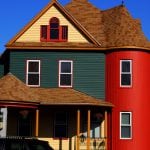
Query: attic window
pixel 54 32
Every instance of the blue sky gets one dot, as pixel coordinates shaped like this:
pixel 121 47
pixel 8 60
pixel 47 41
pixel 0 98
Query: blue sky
pixel 15 14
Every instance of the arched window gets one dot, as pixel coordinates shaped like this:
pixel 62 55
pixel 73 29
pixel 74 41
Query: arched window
pixel 54 28
pixel 54 32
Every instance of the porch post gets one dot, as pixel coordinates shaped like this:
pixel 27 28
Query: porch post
pixel 78 130
pixel 37 123
pixel 105 129
pixel 88 129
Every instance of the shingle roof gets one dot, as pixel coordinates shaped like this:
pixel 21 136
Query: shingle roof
pixel 107 29
pixel 67 96
pixel 14 90
pixel 112 28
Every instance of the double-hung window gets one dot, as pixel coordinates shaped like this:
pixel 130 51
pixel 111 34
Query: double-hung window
pixel 65 73
pixel 125 73
pixel 33 73
pixel 125 125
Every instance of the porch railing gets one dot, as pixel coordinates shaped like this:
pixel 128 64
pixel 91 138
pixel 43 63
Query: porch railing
pixel 95 143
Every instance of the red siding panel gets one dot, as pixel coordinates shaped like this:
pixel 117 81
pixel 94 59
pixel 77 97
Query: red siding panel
pixel 135 99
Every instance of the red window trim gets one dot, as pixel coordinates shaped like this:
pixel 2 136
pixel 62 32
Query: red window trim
pixel 63 32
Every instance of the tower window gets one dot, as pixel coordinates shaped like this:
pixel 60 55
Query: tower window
pixel 125 73
pixel 125 125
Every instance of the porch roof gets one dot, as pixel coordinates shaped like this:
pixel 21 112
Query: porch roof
pixel 12 90
pixel 67 96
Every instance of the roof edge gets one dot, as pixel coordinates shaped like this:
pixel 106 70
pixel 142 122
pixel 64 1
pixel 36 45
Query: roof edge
pixel 9 47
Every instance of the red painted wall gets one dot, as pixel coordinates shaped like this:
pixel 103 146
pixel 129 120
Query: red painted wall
pixel 135 99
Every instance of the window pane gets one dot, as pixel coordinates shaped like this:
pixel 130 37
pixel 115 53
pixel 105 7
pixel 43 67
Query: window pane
pixel 65 79
pixel 65 67
pixel 60 131
pixel 54 25
pixel 125 79
pixel 125 118
pixel 125 66
pixel 33 66
pixel 125 132
pixel 33 79
pixel 54 34
pixel 64 32
pixel 44 31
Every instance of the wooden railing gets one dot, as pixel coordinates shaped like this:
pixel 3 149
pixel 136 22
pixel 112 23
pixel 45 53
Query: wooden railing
pixel 95 143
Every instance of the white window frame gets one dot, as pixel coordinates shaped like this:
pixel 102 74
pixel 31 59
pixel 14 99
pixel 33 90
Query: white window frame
pixel 27 72
pixel 126 125
pixel 71 73
pixel 125 60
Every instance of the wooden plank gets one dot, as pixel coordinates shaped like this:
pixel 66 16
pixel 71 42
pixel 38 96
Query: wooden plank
pixel 88 129
pixel 78 130
pixel 37 123
pixel 105 130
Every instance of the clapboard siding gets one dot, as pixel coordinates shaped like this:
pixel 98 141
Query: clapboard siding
pixel 33 33
pixel 88 69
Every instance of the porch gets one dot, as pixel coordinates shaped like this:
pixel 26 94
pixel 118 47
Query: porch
pixel 64 127
pixel 67 118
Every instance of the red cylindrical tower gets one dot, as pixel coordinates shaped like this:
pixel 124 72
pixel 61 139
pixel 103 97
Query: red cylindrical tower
pixel 134 99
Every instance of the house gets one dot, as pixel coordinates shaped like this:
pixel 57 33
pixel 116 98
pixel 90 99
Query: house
pixel 78 81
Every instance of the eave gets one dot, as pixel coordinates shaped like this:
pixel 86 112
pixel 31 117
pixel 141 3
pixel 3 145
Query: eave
pixel 61 48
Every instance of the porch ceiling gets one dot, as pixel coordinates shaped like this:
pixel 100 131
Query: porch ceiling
pixel 14 90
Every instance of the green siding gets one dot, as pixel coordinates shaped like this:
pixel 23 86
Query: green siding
pixel 88 69
pixel 1 70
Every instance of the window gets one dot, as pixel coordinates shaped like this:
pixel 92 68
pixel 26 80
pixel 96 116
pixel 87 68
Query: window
pixel 65 73
pixel 54 32
pixel 125 73
pixel 54 28
pixel 60 125
pixel 125 125
pixel 33 73
pixel 44 32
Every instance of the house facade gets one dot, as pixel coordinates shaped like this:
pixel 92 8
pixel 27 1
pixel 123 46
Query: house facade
pixel 77 81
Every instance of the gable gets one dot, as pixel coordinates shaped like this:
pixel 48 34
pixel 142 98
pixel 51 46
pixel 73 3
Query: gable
pixel 32 34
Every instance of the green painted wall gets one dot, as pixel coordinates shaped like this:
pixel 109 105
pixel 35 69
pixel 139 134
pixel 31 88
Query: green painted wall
pixel 1 70
pixel 88 69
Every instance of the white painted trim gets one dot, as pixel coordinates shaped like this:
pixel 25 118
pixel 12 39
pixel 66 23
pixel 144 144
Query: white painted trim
pixel 129 125
pixel 129 60
pixel 71 73
pixel 27 68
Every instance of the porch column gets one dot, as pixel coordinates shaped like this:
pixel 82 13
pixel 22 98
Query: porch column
pixel 88 129
pixel 78 130
pixel 105 129
pixel 37 123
